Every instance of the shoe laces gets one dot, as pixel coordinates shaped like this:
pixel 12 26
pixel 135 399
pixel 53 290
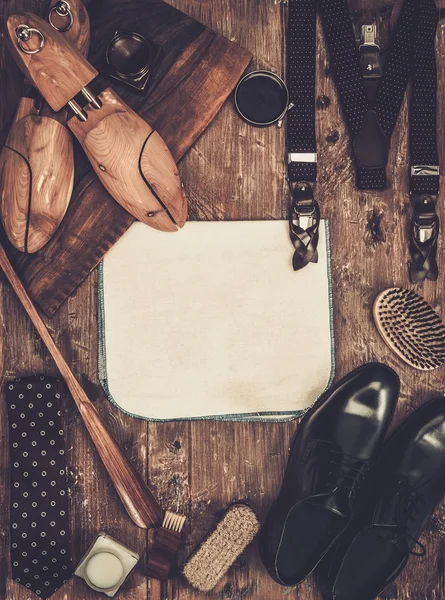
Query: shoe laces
pixel 346 471
pixel 409 502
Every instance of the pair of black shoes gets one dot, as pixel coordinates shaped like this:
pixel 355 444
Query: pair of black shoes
pixel 347 502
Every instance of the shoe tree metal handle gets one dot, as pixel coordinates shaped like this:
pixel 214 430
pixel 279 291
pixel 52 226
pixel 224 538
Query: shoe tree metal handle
pixel 128 156
pixel 37 162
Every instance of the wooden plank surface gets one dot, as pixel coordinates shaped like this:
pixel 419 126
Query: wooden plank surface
pixel 234 171
pixel 197 70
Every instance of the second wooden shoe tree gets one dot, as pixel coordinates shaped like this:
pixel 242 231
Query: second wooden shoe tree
pixel 37 162
pixel 129 157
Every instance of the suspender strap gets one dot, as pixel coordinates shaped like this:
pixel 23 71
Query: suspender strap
pixel 301 140
pixel 423 144
pixel 424 160
pixel 370 111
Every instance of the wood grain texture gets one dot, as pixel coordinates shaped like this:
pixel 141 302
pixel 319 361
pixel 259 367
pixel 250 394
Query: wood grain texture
pixel 233 171
pixel 132 162
pixel 36 179
pixel 79 32
pixel 137 499
pixel 197 72
pixel 37 162
pixel 58 71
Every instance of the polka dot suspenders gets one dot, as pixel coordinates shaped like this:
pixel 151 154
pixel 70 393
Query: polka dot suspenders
pixel 370 96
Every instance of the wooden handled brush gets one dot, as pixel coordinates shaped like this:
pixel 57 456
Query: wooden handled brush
pixel 220 549
pixel 410 327
pixel 166 545
pixel 137 499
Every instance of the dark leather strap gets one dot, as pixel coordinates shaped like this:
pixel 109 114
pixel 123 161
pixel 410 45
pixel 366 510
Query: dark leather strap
pixel 305 241
pixel 301 139
pixel 423 240
pixel 370 117
pixel 424 159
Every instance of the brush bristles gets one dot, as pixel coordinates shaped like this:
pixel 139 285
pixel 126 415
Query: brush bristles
pixel 173 521
pixel 411 328
pixel 221 548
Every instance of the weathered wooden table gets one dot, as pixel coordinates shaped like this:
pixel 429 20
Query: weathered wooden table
pixel 233 172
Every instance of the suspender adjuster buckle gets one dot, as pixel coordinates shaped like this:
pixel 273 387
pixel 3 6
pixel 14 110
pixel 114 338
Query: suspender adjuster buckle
pixel 370 53
pixel 304 237
pixel 425 170
pixel 425 219
pixel 424 234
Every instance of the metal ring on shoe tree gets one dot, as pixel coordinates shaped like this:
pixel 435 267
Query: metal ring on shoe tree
pixel 129 157
pixel 37 161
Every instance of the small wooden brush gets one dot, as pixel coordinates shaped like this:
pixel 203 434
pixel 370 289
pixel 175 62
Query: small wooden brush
pixel 165 546
pixel 410 327
pixel 221 548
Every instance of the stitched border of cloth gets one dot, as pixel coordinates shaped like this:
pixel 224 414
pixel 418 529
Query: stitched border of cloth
pixel 212 322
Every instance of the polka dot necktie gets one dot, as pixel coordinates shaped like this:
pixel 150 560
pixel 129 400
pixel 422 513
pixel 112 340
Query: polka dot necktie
pixel 40 544
pixel 410 55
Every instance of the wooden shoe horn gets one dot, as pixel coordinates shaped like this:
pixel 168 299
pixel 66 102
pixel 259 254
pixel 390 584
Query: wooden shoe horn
pixel 136 497
pixel 129 157
pixel 37 163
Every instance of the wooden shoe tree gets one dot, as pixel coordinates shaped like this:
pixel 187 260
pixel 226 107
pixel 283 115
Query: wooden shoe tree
pixel 129 157
pixel 37 163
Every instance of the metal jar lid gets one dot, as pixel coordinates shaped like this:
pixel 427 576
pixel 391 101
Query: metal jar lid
pixel 261 98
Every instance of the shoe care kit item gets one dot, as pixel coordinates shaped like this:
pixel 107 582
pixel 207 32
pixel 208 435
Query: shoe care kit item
pixel 37 162
pixel 138 500
pixel 40 540
pixel 410 327
pixel 261 98
pixel 129 157
pixel 131 59
pixel 409 483
pixel 165 546
pixel 106 565
pixel 220 549
pixel 370 96
pixel 329 463
pixel 230 357
pixel 184 98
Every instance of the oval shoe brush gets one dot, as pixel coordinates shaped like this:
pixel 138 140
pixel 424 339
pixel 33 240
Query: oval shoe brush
pixel 410 327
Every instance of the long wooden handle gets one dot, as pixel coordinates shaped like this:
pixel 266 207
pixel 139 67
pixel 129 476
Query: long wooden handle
pixel 138 500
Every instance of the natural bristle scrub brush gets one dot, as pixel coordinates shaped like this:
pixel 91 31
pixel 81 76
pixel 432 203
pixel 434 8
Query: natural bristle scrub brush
pixel 219 550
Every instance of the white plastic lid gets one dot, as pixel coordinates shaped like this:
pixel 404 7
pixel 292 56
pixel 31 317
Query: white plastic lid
pixel 104 570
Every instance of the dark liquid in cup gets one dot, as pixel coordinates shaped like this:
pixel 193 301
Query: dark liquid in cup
pixel 129 55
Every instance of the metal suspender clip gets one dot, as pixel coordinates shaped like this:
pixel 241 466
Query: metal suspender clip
pixel 424 227
pixel 370 53
pixel 424 203
pixel 304 238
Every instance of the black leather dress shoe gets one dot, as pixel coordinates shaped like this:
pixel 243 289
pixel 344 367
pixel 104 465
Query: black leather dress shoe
pixel 330 457
pixel 410 477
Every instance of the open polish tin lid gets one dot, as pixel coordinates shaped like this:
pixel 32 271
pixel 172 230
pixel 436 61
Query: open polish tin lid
pixel 261 98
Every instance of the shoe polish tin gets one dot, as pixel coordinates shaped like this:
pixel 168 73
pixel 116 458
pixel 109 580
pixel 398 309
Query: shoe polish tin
pixel 261 98
pixel 107 565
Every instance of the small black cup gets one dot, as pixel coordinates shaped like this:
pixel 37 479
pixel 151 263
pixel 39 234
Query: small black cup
pixel 131 59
